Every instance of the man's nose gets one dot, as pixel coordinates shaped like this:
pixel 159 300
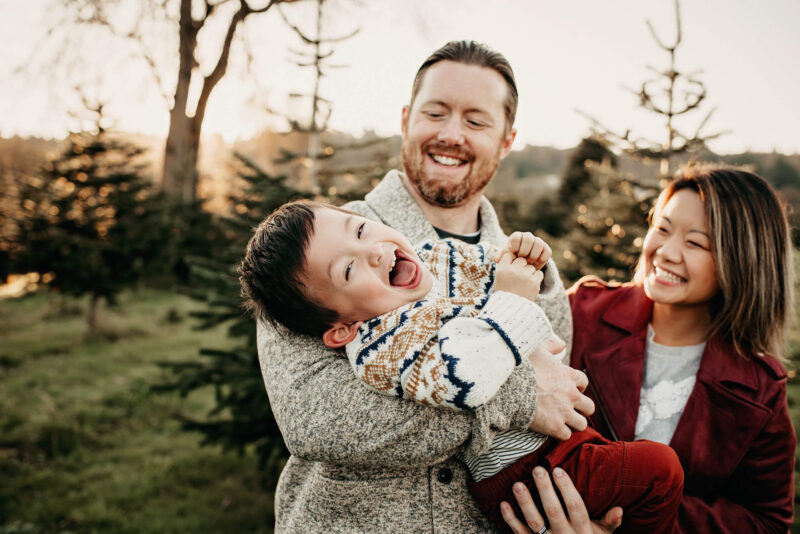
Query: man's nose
pixel 451 132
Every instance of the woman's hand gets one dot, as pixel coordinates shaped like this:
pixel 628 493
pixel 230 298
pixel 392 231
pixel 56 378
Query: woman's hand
pixel 575 522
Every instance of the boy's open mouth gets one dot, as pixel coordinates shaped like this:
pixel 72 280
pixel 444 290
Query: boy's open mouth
pixel 404 272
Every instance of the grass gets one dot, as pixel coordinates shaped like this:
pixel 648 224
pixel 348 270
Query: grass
pixel 85 446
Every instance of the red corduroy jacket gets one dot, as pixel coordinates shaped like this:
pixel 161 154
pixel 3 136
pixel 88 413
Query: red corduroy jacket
pixel 734 439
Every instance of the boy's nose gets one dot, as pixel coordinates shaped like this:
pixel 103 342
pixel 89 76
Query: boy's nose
pixel 375 254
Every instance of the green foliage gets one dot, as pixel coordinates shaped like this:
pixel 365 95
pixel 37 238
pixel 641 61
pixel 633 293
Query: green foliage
pixel 576 180
pixel 241 416
pixel 611 225
pixel 87 220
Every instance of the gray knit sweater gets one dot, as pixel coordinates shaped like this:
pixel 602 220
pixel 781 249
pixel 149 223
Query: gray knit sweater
pixel 365 462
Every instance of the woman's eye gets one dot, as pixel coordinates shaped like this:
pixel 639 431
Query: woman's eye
pixel 347 271
pixel 360 230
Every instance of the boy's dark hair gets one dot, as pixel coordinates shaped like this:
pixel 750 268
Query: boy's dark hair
pixel 270 273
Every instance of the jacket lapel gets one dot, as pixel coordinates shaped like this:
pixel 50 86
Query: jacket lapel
pixel 617 369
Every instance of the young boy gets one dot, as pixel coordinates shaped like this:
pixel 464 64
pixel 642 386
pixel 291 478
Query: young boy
pixel 445 327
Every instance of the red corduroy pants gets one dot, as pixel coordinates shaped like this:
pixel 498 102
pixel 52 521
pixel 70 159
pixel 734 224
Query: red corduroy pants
pixel 645 478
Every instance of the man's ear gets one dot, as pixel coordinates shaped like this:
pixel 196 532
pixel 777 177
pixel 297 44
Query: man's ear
pixel 340 334
pixel 404 120
pixel 507 142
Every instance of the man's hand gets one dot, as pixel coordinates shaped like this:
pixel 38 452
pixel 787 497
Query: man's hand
pixel 517 276
pixel 560 399
pixel 533 249
pixel 575 521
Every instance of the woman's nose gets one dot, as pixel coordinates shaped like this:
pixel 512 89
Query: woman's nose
pixel 670 250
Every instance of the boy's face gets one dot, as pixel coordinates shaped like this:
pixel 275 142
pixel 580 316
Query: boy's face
pixel 361 268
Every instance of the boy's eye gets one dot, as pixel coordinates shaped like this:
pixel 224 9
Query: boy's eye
pixel 347 271
pixel 360 230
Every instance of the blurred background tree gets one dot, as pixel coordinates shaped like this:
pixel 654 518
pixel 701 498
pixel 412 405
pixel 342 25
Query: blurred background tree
pixel 609 206
pixel 241 416
pixel 86 222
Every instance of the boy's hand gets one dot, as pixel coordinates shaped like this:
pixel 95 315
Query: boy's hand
pixel 516 275
pixel 526 245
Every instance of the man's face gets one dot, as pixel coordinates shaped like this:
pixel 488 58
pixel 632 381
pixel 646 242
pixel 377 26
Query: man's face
pixel 454 134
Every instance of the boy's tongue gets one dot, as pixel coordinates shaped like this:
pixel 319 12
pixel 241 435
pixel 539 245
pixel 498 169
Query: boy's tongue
pixel 403 273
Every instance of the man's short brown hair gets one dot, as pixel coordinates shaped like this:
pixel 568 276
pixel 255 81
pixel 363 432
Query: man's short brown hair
pixel 474 53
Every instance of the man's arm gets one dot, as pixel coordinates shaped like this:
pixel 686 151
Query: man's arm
pixel 326 414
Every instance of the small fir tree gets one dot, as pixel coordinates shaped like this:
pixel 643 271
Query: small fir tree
pixel 85 221
pixel 611 222
pixel 241 416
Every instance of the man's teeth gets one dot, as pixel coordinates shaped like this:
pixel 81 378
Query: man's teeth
pixel 446 160
pixel 666 276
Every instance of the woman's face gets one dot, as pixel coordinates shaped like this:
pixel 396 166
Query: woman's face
pixel 679 266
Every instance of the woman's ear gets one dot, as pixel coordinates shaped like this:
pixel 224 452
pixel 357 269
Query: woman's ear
pixel 340 334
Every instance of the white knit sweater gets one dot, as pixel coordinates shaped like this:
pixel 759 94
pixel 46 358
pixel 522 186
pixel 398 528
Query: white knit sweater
pixel 459 345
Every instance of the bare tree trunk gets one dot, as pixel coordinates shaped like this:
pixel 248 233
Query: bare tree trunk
pixel 180 155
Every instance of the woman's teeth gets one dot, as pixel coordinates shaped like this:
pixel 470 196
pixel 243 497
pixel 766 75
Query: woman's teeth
pixel 666 276
pixel 446 160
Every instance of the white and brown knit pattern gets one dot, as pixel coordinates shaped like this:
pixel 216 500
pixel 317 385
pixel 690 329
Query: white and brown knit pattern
pixel 460 270
pixel 457 347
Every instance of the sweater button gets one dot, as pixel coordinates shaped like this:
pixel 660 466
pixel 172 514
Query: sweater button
pixel 445 475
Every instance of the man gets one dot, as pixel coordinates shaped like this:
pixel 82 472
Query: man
pixel 363 462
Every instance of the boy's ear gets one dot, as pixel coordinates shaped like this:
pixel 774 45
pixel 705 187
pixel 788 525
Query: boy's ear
pixel 340 334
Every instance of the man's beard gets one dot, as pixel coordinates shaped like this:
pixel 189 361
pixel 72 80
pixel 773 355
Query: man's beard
pixel 446 193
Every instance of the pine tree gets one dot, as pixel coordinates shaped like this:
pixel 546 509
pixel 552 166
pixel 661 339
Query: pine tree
pixel 242 415
pixel 612 217
pixel 85 221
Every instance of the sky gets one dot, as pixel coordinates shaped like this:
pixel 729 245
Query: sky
pixel 568 55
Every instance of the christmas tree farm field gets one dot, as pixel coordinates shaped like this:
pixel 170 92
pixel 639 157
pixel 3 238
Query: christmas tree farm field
pixel 85 446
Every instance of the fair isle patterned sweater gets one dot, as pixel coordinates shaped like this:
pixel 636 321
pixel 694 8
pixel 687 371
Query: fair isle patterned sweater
pixel 457 347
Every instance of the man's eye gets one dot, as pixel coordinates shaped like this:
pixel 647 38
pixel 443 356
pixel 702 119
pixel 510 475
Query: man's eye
pixel 347 271
pixel 433 115
pixel 475 124
pixel 360 230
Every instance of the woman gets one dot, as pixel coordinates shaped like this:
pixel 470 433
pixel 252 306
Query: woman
pixel 690 352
